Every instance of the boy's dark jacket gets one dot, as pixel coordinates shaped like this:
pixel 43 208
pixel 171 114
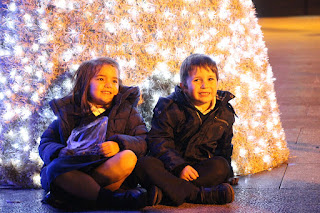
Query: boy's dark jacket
pixel 179 137
pixel 125 125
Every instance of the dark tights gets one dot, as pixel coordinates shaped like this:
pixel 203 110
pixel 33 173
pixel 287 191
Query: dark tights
pixel 151 171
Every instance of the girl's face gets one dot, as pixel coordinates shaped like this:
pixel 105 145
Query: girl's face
pixel 104 86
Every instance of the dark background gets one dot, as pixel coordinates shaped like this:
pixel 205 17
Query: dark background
pixel 273 8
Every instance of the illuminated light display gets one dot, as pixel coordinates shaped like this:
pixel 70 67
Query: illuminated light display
pixel 43 43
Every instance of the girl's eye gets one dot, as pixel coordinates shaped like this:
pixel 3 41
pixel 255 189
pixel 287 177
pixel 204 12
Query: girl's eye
pixel 100 79
pixel 196 80
pixel 115 81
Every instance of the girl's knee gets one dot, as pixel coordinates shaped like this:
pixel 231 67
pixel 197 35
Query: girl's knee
pixel 128 160
pixel 64 178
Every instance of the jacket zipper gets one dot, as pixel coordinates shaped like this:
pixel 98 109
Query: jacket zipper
pixel 218 119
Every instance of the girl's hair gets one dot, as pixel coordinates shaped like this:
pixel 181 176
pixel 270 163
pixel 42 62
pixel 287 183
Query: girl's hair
pixel 86 71
pixel 194 61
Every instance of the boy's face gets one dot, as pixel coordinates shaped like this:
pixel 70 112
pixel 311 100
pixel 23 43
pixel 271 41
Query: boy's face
pixel 201 86
pixel 104 85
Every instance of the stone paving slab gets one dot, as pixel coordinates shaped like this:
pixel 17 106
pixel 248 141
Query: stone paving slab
pixel 301 153
pixel 246 201
pixel 314 110
pixel 293 111
pixel 277 201
pixel 310 136
pixel 302 176
pixel 263 180
pixel 292 135
pixel 297 91
pixel 284 100
pixel 300 123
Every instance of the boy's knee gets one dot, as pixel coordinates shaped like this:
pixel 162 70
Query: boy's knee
pixel 221 161
pixel 148 162
pixel 221 166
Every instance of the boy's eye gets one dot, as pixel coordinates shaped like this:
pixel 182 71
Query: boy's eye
pixel 115 81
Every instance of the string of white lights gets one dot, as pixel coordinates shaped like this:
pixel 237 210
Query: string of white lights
pixel 42 44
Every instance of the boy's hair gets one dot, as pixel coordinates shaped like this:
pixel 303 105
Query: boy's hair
pixel 194 61
pixel 86 71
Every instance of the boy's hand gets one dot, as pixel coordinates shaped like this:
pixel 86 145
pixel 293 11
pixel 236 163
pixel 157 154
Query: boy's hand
pixel 109 148
pixel 189 173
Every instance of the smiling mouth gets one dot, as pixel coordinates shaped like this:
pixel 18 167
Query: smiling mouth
pixel 204 93
pixel 106 92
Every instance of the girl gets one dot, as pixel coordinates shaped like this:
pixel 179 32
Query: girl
pixel 91 149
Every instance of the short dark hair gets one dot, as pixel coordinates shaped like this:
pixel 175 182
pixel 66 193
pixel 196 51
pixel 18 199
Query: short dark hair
pixel 194 61
pixel 86 71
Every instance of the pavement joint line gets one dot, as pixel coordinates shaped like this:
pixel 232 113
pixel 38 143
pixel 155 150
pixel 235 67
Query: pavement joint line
pixel 297 139
pixel 284 173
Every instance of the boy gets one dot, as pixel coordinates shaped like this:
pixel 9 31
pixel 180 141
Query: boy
pixel 190 140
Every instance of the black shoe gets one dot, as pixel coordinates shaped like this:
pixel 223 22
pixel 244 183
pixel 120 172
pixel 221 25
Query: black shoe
pixel 220 194
pixel 154 196
pixel 54 201
pixel 123 199
pixel 69 203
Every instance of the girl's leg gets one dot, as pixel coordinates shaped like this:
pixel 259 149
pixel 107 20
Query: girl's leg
pixel 78 184
pixel 115 170
pixel 110 175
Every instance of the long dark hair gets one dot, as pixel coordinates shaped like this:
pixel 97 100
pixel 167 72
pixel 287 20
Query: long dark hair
pixel 86 71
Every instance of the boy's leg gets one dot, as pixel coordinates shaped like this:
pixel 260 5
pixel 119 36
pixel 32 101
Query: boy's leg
pixel 212 172
pixel 151 171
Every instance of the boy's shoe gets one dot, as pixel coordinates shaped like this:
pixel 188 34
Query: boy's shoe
pixel 220 194
pixel 154 196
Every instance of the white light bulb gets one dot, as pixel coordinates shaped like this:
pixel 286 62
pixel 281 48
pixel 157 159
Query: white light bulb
pixel 12 7
pixel 267 159
pixel 242 152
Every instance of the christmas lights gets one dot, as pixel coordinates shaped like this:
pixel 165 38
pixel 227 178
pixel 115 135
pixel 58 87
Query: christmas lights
pixel 42 44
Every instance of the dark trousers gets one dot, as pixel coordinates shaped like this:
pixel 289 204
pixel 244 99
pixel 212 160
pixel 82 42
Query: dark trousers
pixel 151 171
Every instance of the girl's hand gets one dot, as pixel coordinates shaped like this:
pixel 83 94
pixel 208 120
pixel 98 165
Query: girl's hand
pixel 109 148
pixel 65 152
pixel 189 173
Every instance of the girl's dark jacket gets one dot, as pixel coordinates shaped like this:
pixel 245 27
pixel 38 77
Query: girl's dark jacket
pixel 179 137
pixel 125 125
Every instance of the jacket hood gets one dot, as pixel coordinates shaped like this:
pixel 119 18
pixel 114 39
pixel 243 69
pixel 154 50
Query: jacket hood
pixel 179 96
pixel 130 94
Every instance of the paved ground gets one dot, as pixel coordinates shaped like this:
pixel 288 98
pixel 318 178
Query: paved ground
pixel 294 51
